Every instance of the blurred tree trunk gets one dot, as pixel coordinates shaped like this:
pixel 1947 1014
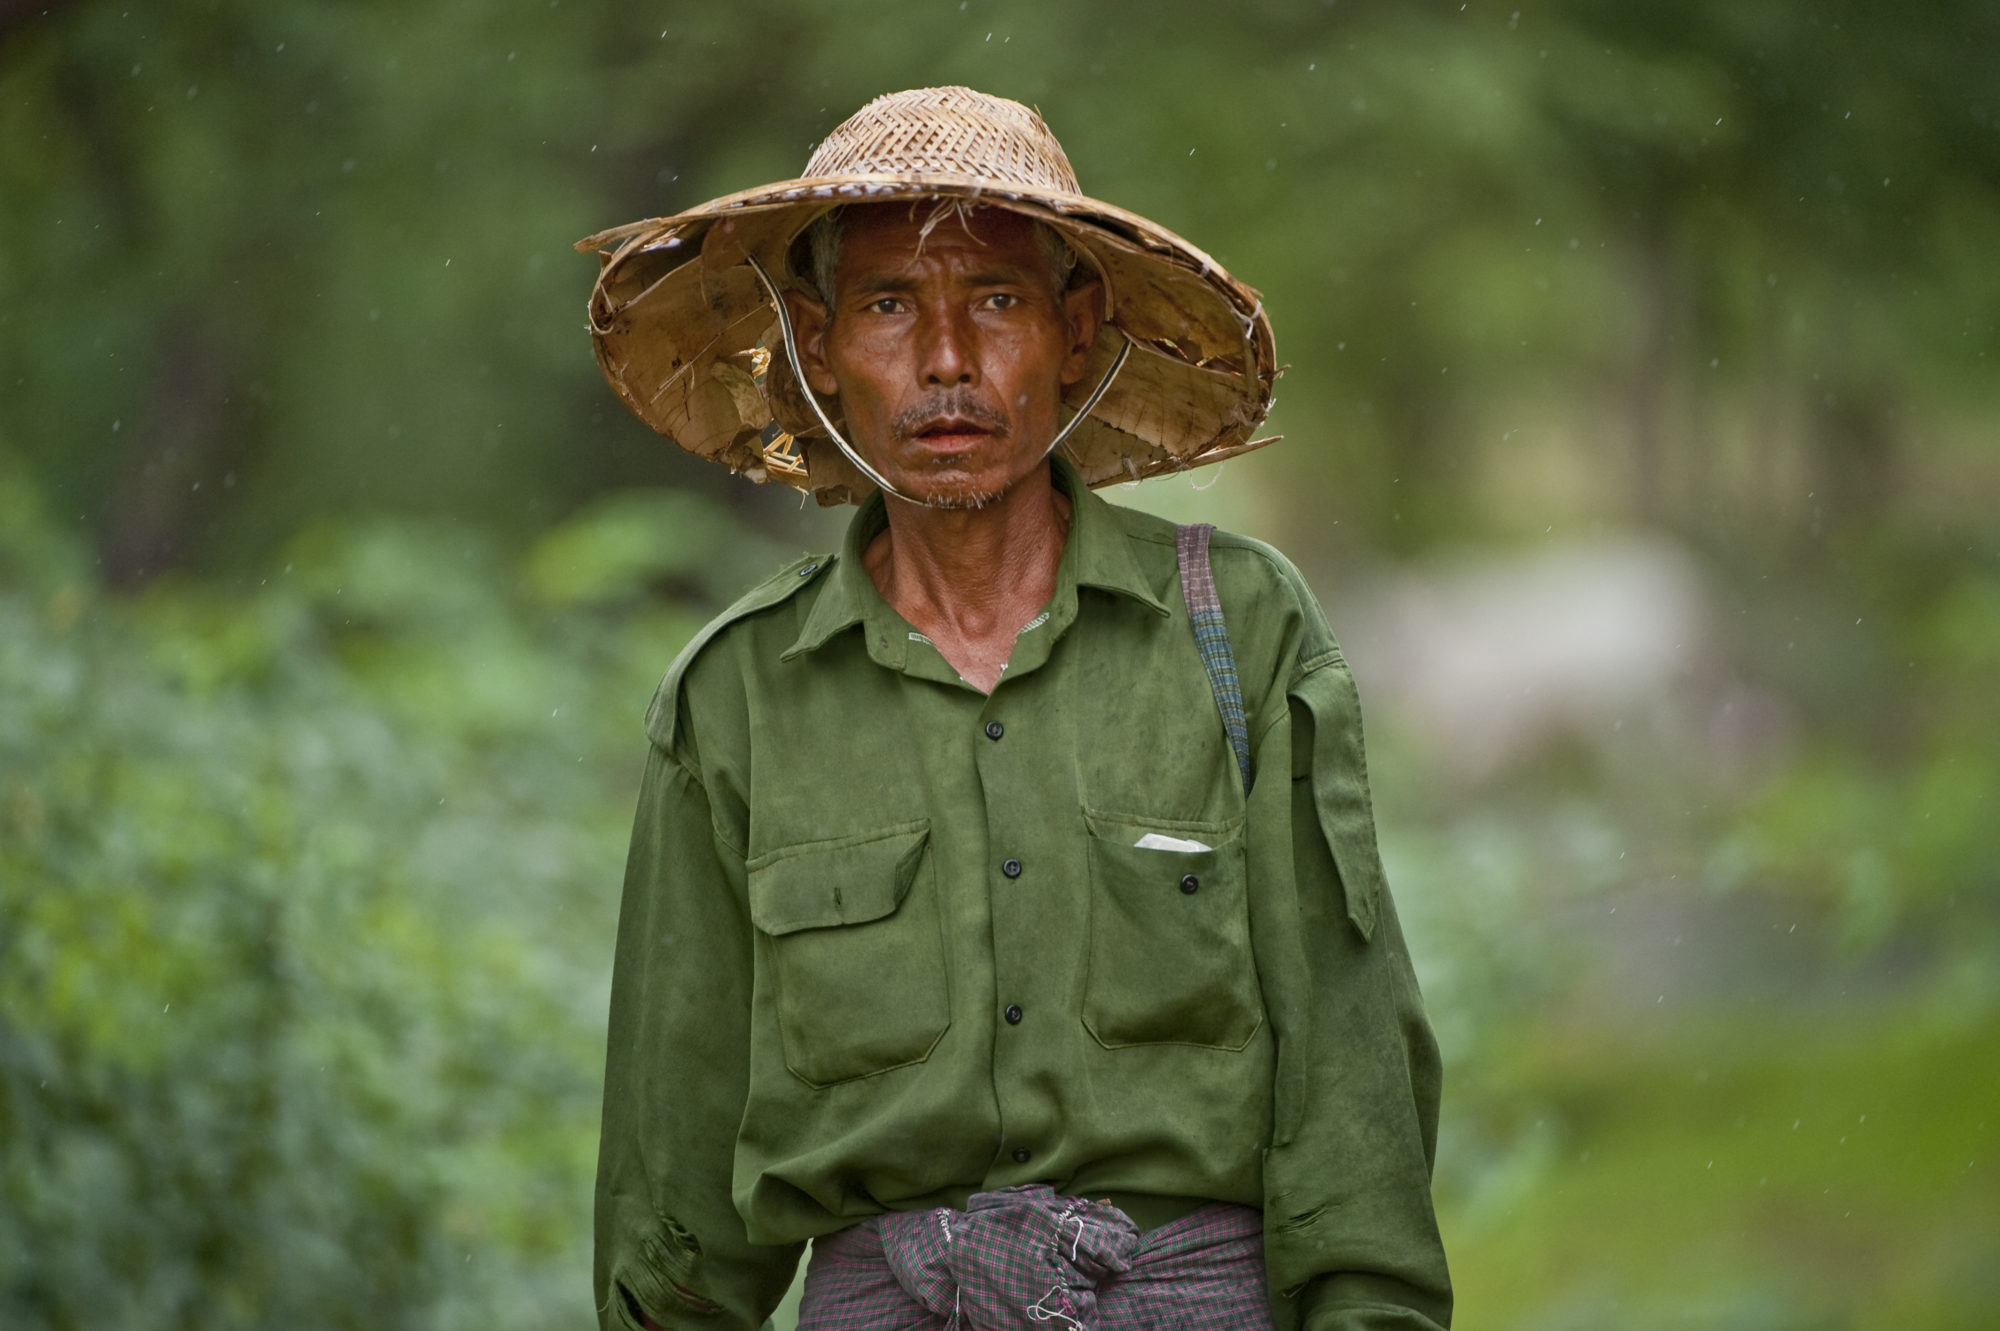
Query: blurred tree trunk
pixel 1652 373
pixel 174 461
pixel 1854 445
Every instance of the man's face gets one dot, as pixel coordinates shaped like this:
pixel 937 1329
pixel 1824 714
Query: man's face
pixel 949 352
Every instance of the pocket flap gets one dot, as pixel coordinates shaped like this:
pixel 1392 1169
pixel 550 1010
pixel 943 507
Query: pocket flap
pixel 1340 787
pixel 845 880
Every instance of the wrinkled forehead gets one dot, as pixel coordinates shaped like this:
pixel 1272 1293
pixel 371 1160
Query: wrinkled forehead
pixel 897 235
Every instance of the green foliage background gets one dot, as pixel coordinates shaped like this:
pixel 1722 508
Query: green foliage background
pixel 333 582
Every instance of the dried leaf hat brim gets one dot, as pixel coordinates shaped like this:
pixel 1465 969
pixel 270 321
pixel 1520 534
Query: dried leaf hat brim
pixel 686 333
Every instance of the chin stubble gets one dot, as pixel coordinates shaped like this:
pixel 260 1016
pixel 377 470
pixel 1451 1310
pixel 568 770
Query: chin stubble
pixel 962 501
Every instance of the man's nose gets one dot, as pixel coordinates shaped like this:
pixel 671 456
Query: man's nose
pixel 949 356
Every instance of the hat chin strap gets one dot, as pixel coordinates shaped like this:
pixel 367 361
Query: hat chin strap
pixel 840 441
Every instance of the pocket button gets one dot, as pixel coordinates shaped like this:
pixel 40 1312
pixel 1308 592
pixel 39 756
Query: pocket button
pixel 1190 884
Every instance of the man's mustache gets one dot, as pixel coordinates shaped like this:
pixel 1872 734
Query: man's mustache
pixel 952 403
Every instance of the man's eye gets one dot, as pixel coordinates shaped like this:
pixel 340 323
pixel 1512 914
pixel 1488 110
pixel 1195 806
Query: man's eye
pixel 886 305
pixel 1003 300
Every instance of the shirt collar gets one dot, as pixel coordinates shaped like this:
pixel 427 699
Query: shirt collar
pixel 1098 554
pixel 1100 544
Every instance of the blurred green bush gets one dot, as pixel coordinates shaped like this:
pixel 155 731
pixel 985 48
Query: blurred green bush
pixel 306 898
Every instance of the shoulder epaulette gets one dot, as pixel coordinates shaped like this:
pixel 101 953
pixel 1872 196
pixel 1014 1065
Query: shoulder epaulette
pixel 1316 645
pixel 663 716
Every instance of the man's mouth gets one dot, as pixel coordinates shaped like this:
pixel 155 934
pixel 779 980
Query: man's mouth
pixel 950 422
pixel 948 429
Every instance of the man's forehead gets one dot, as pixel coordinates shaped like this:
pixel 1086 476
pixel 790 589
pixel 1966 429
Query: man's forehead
pixel 893 234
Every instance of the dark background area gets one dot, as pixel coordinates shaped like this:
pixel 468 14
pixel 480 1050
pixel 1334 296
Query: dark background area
pixel 1641 439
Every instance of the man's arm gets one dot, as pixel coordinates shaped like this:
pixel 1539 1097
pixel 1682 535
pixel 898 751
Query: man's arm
pixel 671 1250
pixel 1349 1227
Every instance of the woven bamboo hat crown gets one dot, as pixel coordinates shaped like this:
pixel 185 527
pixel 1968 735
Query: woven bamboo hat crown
pixel 947 131
pixel 685 329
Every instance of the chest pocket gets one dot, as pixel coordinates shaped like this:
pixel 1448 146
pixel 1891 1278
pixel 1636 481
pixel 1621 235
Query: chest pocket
pixel 849 936
pixel 1170 959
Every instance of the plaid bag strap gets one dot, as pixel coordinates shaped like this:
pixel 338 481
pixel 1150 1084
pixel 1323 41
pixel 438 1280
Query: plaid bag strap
pixel 1211 639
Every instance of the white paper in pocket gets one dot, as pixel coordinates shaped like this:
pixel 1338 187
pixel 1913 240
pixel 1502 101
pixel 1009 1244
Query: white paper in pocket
pixel 1157 841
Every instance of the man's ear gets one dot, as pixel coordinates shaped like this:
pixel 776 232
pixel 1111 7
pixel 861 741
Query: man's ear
pixel 1083 313
pixel 809 323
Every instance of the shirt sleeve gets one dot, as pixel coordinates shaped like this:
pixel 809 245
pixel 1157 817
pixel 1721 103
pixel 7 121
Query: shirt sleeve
pixel 1351 1240
pixel 671 1250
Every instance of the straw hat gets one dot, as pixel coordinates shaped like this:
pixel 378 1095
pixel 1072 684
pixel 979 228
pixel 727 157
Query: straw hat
pixel 688 333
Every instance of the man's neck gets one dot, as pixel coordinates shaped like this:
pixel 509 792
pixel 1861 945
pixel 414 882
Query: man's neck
pixel 968 579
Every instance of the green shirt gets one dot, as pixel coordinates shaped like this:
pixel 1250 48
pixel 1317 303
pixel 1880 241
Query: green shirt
pixel 887 941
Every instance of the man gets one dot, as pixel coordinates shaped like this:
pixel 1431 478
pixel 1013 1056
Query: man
pixel 997 916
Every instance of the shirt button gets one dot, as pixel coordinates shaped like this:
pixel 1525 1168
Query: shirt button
pixel 1020 1155
pixel 1012 868
pixel 1190 884
pixel 808 570
pixel 1013 1014
pixel 994 730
